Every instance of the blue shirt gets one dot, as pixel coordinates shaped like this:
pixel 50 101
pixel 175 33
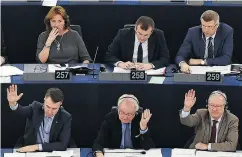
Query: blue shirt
pixel 44 130
pixel 123 130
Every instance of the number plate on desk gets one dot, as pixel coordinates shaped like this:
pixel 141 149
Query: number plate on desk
pixel 137 75
pixel 62 75
pixel 213 77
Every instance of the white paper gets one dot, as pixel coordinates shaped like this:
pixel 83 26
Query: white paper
pixel 49 3
pixel 204 69
pixel 53 67
pixel 160 71
pixel 157 80
pixel 215 154
pixel 8 70
pixel 176 152
pixel 14 154
pixel 5 79
pixel 67 153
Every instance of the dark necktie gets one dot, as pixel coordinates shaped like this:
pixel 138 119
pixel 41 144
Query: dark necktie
pixel 213 133
pixel 127 137
pixel 140 54
pixel 210 48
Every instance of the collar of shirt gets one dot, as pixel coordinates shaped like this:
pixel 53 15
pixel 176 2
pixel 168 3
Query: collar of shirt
pixel 211 118
pixel 49 117
pixel 124 125
pixel 213 36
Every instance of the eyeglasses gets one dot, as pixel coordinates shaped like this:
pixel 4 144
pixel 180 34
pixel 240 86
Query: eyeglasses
pixel 125 114
pixel 215 106
pixel 209 27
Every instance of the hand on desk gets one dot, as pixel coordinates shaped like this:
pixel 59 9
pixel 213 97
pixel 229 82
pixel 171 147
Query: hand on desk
pixel 143 66
pixel 30 148
pixel 126 65
pixel 201 146
pixel 85 62
pixel 12 95
pixel 185 68
pixel 99 154
pixel 146 115
pixel 195 61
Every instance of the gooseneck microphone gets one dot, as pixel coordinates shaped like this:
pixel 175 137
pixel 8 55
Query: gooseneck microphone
pixel 93 63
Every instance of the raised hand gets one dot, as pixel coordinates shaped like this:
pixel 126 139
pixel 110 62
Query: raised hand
pixel 53 34
pixel 12 95
pixel 146 115
pixel 190 100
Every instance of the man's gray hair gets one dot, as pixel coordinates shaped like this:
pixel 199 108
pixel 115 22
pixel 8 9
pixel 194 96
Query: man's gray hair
pixel 129 97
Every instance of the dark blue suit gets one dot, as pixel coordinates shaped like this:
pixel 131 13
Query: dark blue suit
pixel 194 46
pixel 60 129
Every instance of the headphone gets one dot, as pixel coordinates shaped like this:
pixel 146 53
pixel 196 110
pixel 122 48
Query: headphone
pixel 131 97
pixel 218 92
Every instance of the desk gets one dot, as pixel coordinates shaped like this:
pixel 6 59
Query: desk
pixel 228 80
pixel 166 152
pixel 89 102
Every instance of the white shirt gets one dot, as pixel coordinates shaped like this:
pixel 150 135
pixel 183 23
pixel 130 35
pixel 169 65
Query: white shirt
pixel 144 47
pixel 206 47
pixel 185 114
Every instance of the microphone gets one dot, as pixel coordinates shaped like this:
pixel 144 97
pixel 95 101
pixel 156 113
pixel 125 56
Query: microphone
pixel 93 63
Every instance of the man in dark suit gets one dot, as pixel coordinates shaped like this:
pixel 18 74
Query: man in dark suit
pixel 208 44
pixel 143 47
pixel 3 57
pixel 216 129
pixel 125 128
pixel 49 125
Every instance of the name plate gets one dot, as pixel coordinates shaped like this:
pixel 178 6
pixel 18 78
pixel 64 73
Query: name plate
pixel 137 75
pixel 213 77
pixel 106 76
pixel 45 77
pixel 62 75
pixel 181 77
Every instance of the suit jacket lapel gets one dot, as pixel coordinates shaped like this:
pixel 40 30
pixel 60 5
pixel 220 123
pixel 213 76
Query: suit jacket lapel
pixel 39 120
pixel 202 44
pixel 217 41
pixel 151 46
pixel 222 126
pixel 130 45
pixel 207 129
pixel 54 125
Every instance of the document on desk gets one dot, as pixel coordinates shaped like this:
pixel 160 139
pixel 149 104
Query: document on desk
pixel 160 71
pixel 215 154
pixel 132 153
pixel 204 69
pixel 8 70
pixel 157 80
pixel 53 67
pixel 176 152
pixel 68 153
pixel 14 155
pixel 5 79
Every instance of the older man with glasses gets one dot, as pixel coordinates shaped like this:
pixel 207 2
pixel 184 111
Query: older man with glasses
pixel 124 128
pixel 216 129
pixel 211 43
pixel 142 47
